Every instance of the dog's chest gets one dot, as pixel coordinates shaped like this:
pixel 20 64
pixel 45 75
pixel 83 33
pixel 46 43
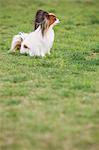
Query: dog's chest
pixel 49 38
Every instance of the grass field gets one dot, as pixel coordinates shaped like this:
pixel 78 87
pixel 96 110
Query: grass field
pixel 50 103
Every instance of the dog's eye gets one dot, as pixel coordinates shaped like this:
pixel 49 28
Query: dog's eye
pixel 54 18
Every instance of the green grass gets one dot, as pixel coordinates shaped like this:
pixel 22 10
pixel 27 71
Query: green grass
pixel 50 103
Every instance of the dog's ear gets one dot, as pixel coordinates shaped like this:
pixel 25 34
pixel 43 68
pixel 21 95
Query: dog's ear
pixel 45 23
pixel 40 18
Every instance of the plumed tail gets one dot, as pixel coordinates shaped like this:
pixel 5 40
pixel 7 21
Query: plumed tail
pixel 17 41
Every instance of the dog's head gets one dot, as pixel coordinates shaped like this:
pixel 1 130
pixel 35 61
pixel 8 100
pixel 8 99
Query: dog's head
pixel 52 19
pixel 45 20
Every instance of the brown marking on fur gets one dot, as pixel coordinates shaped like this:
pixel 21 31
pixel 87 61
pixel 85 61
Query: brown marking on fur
pixel 52 18
pixel 25 46
pixel 18 45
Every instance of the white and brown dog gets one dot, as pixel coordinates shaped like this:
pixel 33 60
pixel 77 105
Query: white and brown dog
pixel 40 41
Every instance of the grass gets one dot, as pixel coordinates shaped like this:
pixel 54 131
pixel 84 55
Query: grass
pixel 50 103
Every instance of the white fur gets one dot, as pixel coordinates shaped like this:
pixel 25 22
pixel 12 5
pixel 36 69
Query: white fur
pixel 17 39
pixel 34 43
pixel 37 44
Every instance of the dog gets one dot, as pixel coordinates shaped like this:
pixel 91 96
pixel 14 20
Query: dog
pixel 18 39
pixel 40 41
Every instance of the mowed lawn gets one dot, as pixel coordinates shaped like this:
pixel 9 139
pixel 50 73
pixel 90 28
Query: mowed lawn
pixel 50 103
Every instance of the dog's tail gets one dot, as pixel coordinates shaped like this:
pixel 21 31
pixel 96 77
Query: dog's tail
pixel 17 40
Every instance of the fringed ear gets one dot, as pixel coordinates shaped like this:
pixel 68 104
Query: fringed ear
pixel 36 25
pixel 41 19
pixel 38 18
pixel 45 25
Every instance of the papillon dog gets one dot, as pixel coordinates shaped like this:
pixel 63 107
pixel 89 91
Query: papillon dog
pixel 40 41
pixel 18 39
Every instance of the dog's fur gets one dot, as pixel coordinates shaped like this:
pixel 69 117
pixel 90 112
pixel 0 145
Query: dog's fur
pixel 40 41
pixel 19 38
pixel 39 18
